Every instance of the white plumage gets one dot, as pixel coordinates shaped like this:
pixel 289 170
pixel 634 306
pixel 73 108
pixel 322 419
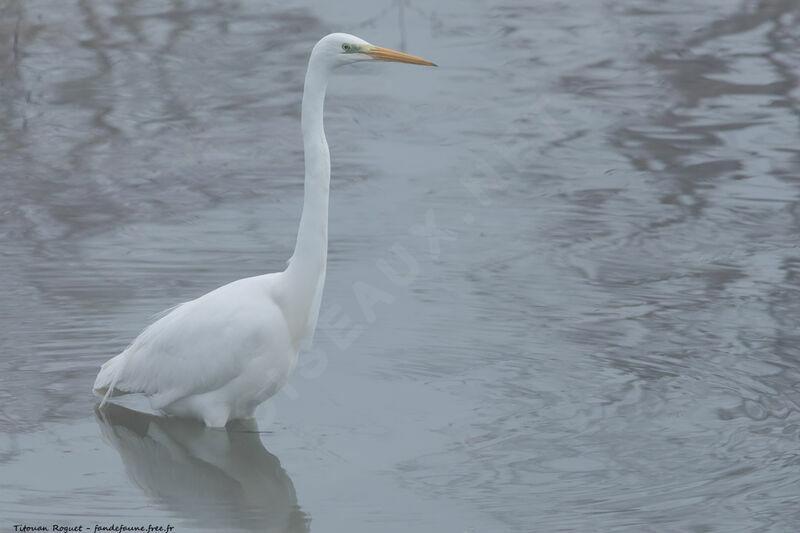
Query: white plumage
pixel 218 357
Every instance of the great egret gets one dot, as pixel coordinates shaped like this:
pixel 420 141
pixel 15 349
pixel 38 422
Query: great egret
pixel 218 357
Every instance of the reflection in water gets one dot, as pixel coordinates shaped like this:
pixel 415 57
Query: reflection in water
pixel 218 480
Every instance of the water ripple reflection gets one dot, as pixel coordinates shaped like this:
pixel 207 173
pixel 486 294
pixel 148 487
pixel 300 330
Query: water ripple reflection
pixel 224 480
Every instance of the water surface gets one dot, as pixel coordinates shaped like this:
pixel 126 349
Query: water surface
pixel 577 241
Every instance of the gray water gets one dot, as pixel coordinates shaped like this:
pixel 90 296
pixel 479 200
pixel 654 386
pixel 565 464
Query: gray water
pixel 564 281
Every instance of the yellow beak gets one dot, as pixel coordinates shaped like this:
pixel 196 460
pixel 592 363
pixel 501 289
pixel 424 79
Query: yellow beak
pixel 385 54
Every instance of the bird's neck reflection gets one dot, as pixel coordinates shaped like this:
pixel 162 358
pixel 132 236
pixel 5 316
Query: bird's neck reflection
pixel 214 479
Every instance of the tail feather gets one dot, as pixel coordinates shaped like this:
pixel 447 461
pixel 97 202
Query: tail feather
pixel 108 376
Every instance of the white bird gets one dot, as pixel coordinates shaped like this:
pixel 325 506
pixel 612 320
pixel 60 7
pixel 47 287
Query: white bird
pixel 219 356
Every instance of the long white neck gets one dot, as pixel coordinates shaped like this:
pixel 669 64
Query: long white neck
pixel 311 248
pixel 305 274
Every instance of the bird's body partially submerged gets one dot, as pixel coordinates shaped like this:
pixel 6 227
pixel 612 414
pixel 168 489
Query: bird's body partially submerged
pixel 218 357
pixel 215 358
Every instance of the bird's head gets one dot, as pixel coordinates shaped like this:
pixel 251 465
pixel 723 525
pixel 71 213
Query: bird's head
pixel 339 49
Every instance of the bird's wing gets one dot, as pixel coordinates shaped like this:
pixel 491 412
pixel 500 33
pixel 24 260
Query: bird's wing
pixel 199 346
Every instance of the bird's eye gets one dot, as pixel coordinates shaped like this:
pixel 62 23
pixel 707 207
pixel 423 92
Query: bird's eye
pixel 346 47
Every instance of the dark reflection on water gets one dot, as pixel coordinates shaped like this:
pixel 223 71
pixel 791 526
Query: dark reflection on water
pixel 597 206
pixel 221 480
